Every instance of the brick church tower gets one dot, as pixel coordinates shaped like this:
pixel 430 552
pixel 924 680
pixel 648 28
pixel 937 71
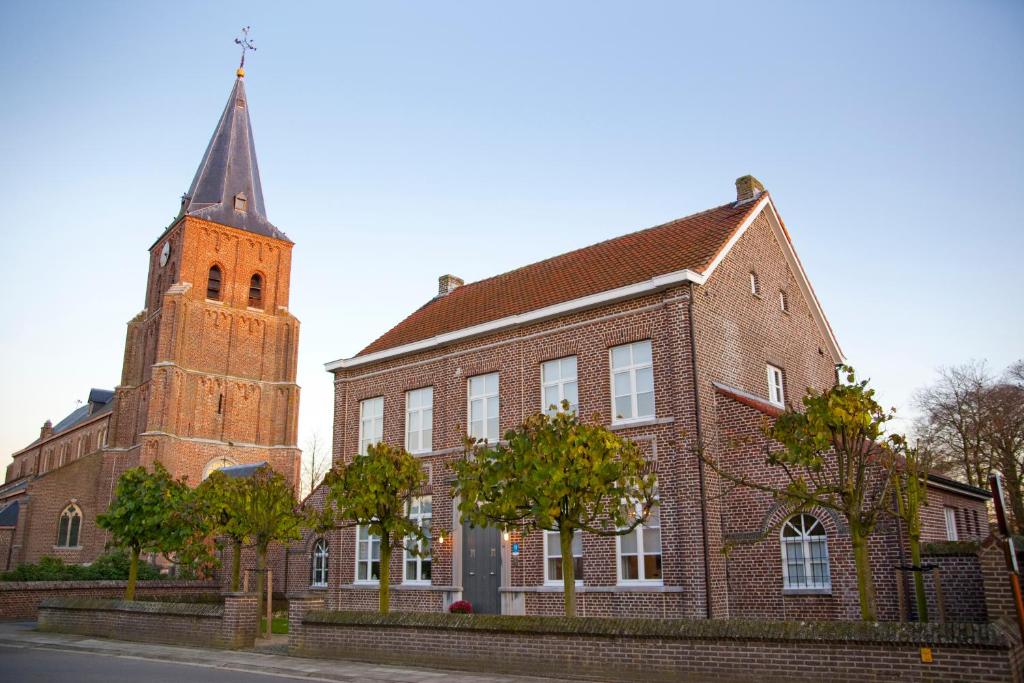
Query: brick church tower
pixel 209 364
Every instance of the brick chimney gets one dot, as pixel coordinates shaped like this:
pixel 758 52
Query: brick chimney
pixel 446 284
pixel 47 430
pixel 748 188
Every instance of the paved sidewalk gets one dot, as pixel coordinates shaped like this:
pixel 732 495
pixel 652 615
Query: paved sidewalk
pixel 24 635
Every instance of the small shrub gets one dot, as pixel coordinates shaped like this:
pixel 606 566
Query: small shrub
pixel 110 567
pixel 461 607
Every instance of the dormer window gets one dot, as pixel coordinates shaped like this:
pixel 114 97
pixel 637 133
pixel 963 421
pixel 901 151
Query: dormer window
pixel 241 202
pixel 256 291
pixel 213 284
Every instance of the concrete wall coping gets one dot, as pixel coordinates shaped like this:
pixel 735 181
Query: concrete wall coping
pixel 141 606
pixel 66 585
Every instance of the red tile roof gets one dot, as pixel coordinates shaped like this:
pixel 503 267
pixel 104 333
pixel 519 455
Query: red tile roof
pixel 690 243
pixel 762 405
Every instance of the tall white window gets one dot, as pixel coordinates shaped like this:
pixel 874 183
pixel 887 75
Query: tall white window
pixel 755 286
pixel 951 533
pixel 367 556
pixel 483 407
pixel 640 551
pixel 371 422
pixel 805 553
pixel 320 556
pixel 417 566
pixel 775 392
pixel 632 382
pixel 419 420
pixel 553 557
pixel 558 383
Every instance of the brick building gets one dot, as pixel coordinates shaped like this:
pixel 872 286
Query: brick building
pixel 209 365
pixel 692 332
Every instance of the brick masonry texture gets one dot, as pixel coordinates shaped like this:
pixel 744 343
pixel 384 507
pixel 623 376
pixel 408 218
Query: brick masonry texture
pixel 19 600
pixel 204 382
pixel 661 650
pixel 716 332
pixel 231 625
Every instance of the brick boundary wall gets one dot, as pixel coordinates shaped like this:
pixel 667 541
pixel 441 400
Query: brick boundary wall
pixel 19 600
pixel 963 588
pixel 660 650
pixel 231 625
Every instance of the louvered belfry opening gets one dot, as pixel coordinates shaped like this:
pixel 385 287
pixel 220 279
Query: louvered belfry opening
pixel 256 291
pixel 213 284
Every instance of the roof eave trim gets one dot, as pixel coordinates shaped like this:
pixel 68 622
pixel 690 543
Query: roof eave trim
pixel 652 285
pixel 958 487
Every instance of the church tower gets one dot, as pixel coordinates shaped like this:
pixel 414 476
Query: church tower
pixel 209 364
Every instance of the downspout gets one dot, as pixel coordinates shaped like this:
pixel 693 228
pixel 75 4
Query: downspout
pixel 700 460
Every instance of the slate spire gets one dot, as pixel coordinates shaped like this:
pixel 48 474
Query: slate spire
pixel 226 188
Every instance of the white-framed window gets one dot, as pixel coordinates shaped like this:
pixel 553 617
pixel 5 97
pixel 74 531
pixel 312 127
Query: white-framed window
pixel 951 532
pixel 640 551
pixel 553 557
pixel 632 382
pixel 419 420
pixel 320 557
pixel 776 394
pixel 755 285
pixel 367 556
pixel 371 422
pixel 417 567
pixel 558 383
pixel 783 301
pixel 804 554
pixel 483 407
pixel 69 526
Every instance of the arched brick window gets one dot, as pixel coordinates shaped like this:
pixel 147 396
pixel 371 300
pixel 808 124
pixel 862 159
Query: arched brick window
pixel 320 556
pixel 213 283
pixel 69 526
pixel 805 554
pixel 256 291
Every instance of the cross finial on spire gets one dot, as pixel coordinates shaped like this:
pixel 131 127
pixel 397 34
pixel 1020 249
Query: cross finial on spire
pixel 246 44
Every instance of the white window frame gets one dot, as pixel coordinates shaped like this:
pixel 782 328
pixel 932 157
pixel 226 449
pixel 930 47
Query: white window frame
pixel 560 383
pixel 371 419
pixel 483 399
pixel 417 515
pixel 640 532
pixel 783 301
pixel 805 539
pixel 552 538
pixel 949 514
pixel 776 386
pixel 632 369
pixel 755 285
pixel 369 543
pixel 321 563
pixel 414 441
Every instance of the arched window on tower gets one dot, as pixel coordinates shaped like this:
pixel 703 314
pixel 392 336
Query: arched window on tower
pixel 805 554
pixel 256 291
pixel 68 527
pixel 213 284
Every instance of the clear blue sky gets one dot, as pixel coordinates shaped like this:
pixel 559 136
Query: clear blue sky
pixel 402 140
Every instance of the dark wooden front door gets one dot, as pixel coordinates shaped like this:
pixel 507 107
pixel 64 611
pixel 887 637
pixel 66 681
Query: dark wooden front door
pixel 481 568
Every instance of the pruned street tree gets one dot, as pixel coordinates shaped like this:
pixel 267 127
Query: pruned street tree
pixel 374 491
pixel 561 474
pixel 149 515
pixel 910 484
pixel 835 455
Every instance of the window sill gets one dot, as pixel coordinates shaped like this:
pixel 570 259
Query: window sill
pixel 640 584
pixel 256 309
pixel 807 591
pixel 643 422
pixel 559 584
pixel 67 547
pixel 416 584
pixel 318 587
pixel 214 301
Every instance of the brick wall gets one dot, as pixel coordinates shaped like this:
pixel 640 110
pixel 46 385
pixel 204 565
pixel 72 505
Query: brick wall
pixel 630 650
pixel 19 600
pixel 963 589
pixel 231 625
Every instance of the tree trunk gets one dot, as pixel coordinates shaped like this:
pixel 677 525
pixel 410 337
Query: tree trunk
pixel 915 559
pixel 568 572
pixel 865 586
pixel 133 574
pixel 385 574
pixel 261 566
pixel 236 565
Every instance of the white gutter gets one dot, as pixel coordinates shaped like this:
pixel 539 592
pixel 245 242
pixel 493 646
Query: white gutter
pixel 655 284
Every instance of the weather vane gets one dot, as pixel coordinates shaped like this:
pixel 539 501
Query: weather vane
pixel 246 44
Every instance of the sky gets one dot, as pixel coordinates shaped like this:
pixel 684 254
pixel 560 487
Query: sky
pixel 400 141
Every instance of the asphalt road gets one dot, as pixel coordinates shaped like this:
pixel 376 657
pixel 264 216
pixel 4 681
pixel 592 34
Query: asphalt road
pixel 33 665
